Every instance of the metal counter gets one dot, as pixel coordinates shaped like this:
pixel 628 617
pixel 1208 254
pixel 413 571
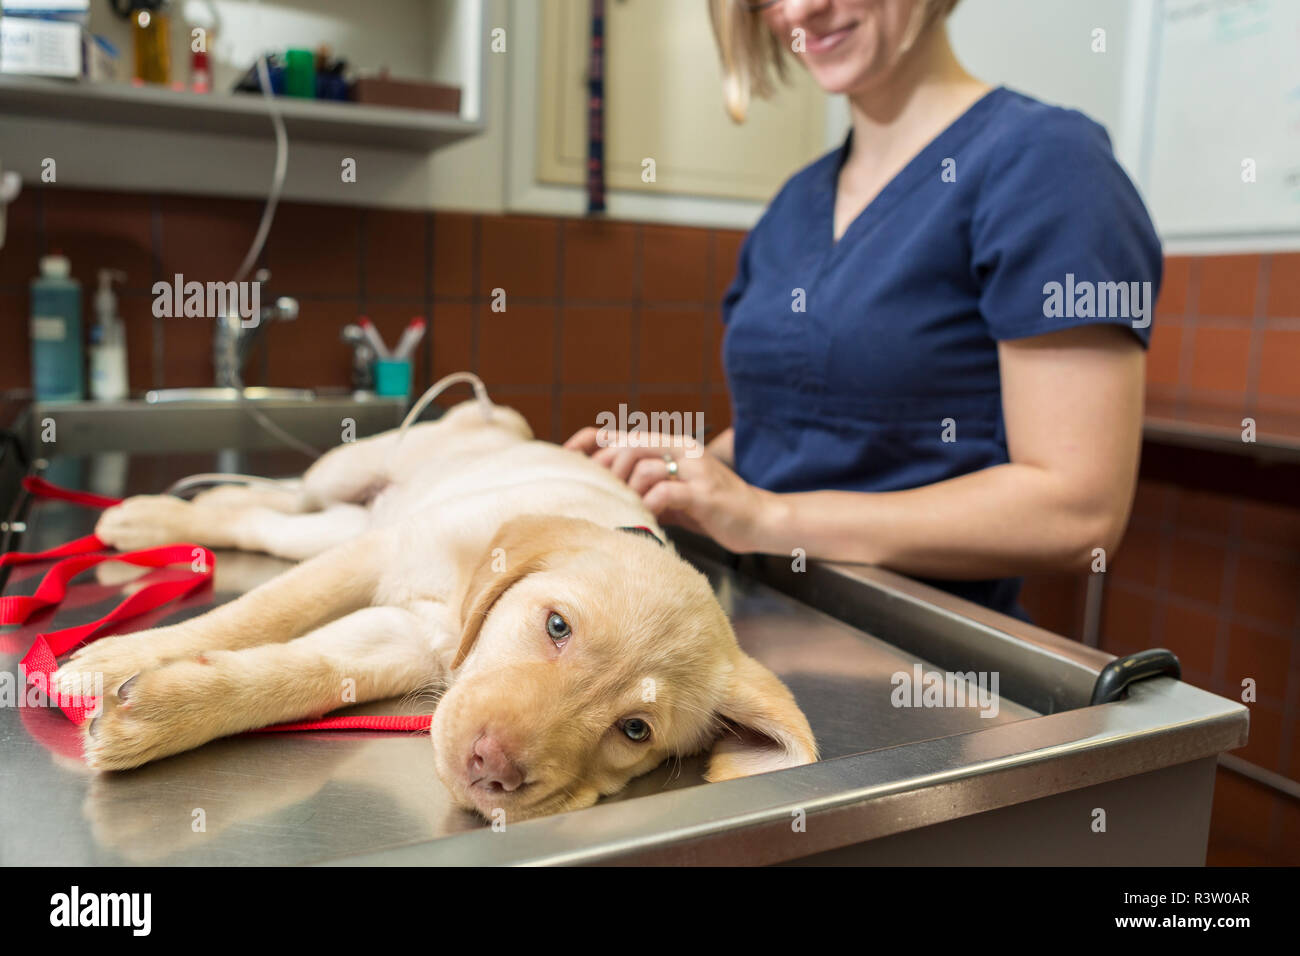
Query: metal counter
pixel 896 784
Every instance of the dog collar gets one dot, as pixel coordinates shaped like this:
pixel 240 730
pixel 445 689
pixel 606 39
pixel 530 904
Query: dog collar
pixel 641 529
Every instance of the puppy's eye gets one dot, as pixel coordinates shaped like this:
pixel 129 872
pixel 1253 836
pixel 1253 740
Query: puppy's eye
pixel 557 628
pixel 636 730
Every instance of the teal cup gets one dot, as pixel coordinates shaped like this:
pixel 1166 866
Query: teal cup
pixel 393 378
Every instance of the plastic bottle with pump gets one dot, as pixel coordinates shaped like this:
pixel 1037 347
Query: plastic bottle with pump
pixel 108 379
pixel 58 359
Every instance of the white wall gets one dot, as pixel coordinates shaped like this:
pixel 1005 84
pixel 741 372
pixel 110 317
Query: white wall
pixel 1040 47
pixel 1045 48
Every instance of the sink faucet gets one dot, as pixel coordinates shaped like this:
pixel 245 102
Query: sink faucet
pixel 232 339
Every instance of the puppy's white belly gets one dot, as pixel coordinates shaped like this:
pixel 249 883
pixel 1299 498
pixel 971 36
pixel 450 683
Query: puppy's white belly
pixel 525 478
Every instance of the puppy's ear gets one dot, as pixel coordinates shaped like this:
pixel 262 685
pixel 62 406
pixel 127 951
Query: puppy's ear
pixel 520 547
pixel 766 729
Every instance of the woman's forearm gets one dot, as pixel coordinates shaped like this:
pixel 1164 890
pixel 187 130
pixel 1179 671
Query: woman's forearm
pixel 996 522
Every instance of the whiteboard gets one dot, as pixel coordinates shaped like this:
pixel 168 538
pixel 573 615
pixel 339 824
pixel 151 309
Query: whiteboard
pixel 1223 103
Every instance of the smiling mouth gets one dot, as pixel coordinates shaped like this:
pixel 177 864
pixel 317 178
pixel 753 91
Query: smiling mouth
pixel 827 41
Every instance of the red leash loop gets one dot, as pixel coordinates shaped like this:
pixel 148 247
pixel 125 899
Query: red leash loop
pixel 40 661
pixel 405 723
pixel 45 489
pixel 85 545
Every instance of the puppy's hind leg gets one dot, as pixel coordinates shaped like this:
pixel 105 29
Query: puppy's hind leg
pixel 351 473
pixel 284 495
pixel 147 521
pixel 298 537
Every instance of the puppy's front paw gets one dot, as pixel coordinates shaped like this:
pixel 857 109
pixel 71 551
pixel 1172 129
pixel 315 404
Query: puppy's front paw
pixel 147 521
pixel 98 669
pixel 157 713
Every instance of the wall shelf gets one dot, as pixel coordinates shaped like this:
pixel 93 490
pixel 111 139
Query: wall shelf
pixel 1219 430
pixel 241 114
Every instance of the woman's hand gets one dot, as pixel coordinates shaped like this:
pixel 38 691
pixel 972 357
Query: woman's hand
pixel 705 496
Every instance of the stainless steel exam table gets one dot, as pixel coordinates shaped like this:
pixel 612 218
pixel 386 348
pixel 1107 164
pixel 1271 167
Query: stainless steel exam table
pixel 897 785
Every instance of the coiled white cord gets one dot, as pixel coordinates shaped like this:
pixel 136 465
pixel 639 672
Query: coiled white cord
pixel 434 390
pixel 259 240
pixel 277 177
pixel 226 478
pixel 438 387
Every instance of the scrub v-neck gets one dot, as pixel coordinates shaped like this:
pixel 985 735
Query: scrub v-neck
pixel 923 164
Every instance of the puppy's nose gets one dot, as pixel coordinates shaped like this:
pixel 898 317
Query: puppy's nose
pixel 490 766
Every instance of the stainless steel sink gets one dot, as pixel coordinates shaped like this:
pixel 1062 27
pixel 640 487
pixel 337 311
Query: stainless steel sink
pixel 207 423
pixel 252 393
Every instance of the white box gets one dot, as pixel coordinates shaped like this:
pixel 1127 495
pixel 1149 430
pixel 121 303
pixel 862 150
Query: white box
pixel 101 59
pixel 46 8
pixel 40 47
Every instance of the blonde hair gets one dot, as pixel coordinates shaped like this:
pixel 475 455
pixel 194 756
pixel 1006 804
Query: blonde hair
pixel 751 53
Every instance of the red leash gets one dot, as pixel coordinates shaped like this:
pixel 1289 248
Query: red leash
pixel 44 489
pixel 40 661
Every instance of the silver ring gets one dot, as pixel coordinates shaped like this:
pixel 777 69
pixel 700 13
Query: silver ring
pixel 671 463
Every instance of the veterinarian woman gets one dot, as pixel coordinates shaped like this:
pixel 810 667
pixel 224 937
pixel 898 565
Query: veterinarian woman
pixel 907 390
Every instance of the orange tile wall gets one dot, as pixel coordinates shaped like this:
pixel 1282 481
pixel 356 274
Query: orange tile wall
pixel 1210 566
pixel 597 313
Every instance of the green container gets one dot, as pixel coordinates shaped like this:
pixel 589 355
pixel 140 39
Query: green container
pixel 58 356
pixel 300 73
pixel 393 377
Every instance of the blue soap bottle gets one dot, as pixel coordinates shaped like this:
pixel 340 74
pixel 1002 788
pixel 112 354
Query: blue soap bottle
pixel 58 352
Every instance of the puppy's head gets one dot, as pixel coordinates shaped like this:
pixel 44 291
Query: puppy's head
pixel 588 656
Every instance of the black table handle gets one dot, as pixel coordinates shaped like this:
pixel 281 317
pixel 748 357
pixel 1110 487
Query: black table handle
pixel 1122 671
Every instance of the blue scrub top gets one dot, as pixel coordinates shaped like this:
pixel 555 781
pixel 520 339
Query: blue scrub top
pixel 850 362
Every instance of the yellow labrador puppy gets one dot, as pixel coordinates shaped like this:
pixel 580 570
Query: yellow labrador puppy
pixel 575 655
